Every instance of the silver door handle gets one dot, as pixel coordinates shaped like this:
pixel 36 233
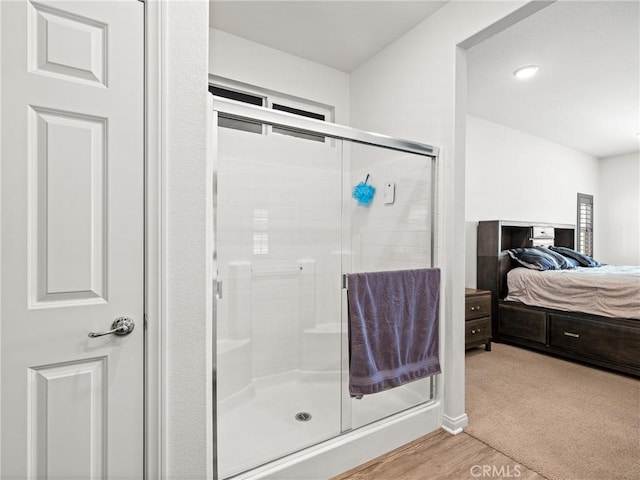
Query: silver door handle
pixel 120 326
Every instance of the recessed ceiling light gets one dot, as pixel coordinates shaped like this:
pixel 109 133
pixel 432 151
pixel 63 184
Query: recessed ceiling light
pixel 527 71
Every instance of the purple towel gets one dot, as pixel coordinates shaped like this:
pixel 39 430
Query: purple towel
pixel 393 328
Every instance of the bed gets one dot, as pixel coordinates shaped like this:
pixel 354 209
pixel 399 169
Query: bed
pixel 607 290
pixel 585 313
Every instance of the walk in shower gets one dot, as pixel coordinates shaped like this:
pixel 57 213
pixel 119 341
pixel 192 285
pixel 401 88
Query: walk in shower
pixel 287 231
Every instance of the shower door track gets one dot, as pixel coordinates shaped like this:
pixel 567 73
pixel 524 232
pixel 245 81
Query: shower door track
pixel 244 111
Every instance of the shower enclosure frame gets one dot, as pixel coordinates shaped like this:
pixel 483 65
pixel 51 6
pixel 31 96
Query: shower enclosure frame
pixel 246 111
pixel 242 111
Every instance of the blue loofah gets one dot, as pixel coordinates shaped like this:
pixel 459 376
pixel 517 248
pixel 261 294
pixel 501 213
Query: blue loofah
pixel 364 193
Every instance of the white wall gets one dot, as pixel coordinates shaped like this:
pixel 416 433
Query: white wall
pixel 254 64
pixel 617 210
pixel 186 295
pixel 415 88
pixel 511 175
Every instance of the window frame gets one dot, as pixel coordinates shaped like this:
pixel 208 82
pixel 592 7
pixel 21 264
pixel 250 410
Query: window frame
pixel 288 103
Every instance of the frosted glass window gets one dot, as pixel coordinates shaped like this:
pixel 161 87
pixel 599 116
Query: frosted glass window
pixel 268 100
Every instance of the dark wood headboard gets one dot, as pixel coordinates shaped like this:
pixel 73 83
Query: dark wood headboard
pixel 505 263
pixel 497 236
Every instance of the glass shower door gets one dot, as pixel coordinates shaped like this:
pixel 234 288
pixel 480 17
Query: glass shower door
pixel 279 261
pixel 394 232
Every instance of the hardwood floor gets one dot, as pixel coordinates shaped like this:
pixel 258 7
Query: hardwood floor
pixel 441 456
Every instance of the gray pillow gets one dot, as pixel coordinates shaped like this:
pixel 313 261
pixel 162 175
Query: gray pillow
pixel 582 259
pixel 534 258
pixel 565 263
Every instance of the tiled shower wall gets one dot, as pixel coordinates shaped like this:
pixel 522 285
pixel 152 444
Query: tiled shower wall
pixel 391 235
pixel 278 223
pixel 287 228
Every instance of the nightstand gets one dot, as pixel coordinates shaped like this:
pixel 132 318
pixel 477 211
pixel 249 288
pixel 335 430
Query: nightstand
pixel 477 318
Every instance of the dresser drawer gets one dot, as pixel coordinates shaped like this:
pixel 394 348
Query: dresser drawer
pixel 522 323
pixel 477 306
pixel 477 331
pixel 615 343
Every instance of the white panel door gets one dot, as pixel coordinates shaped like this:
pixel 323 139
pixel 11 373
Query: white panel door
pixel 72 177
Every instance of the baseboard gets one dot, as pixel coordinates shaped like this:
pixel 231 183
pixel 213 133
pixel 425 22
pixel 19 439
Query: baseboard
pixel 454 425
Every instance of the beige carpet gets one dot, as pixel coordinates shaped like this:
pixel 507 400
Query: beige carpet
pixel 564 420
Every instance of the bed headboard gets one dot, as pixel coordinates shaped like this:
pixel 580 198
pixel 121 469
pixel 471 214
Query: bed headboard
pixel 505 263
pixel 497 236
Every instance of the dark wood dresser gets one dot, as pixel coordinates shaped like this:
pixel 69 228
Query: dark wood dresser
pixel 477 317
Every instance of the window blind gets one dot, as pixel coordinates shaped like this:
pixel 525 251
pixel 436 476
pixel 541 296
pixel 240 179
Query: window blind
pixel 585 223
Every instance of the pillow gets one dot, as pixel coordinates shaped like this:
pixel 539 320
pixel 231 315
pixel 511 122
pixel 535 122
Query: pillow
pixel 565 263
pixel 534 258
pixel 572 261
pixel 582 259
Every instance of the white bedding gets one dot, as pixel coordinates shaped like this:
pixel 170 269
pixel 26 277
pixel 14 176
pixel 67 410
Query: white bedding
pixel 608 291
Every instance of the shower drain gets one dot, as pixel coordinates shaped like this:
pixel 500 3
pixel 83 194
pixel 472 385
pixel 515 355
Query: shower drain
pixel 303 416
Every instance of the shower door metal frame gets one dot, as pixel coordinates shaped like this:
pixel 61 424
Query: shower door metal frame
pixel 223 107
pixel 244 111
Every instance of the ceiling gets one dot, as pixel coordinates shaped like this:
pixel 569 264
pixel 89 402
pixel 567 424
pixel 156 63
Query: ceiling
pixel 338 34
pixel 585 96
pixel 586 93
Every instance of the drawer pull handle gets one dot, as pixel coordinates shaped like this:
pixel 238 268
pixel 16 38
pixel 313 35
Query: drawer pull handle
pixel 477 307
pixel 574 335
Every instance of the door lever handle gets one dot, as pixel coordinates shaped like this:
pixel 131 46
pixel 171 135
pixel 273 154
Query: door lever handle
pixel 121 326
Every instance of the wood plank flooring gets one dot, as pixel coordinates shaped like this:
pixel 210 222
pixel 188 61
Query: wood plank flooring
pixel 441 456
